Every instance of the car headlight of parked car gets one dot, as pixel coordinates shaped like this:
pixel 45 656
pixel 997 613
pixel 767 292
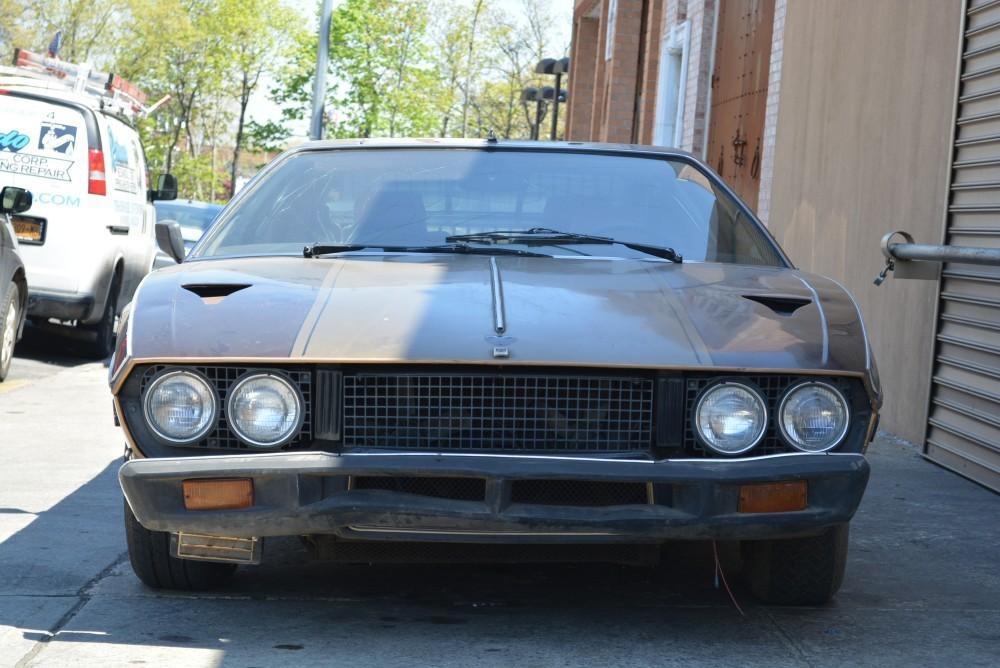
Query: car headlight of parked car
pixel 265 410
pixel 730 418
pixel 180 406
pixel 813 417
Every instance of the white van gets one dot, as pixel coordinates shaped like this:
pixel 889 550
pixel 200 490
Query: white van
pixel 66 136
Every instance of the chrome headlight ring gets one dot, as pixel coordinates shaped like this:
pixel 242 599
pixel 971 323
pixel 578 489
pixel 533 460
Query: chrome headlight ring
pixel 180 406
pixel 730 418
pixel 813 416
pixel 265 409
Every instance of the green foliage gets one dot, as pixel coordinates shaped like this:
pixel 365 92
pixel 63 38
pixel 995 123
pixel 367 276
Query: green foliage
pixel 425 68
pixel 267 137
pixel 376 52
pixel 198 179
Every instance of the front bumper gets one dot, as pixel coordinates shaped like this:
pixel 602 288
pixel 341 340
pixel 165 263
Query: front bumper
pixel 311 493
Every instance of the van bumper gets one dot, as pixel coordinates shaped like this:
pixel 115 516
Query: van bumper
pixel 59 306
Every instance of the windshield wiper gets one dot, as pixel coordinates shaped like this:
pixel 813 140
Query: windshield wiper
pixel 318 249
pixel 542 236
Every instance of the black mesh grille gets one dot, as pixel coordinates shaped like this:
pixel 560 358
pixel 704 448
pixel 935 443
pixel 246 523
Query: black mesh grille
pixel 578 493
pixel 510 413
pixel 456 489
pixel 222 378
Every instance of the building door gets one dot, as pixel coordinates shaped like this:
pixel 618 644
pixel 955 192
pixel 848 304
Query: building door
pixel 963 431
pixel 739 94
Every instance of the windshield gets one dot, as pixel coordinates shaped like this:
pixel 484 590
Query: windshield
pixel 423 197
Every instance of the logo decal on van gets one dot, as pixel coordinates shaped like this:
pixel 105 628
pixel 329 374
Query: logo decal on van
pixel 41 166
pixel 119 151
pixel 56 137
pixel 123 156
pixel 13 141
pixel 58 200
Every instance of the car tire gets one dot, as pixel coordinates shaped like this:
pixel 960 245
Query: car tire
pixel 9 318
pixel 104 330
pixel 797 571
pixel 149 552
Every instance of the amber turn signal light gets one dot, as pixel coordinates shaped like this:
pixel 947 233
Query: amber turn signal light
pixel 227 494
pixel 774 497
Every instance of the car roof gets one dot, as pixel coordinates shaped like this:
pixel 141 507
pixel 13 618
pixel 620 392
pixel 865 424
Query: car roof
pixel 192 203
pixel 514 144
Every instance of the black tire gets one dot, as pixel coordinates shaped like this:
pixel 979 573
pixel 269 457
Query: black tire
pixel 10 316
pixel 149 552
pixel 797 571
pixel 104 330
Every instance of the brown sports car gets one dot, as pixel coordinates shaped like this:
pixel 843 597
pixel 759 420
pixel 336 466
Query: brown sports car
pixel 491 350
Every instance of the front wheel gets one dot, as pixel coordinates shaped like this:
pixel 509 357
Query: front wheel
pixel 149 552
pixel 797 571
pixel 104 331
pixel 9 318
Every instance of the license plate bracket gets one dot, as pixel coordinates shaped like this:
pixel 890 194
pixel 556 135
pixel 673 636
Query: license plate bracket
pixel 30 230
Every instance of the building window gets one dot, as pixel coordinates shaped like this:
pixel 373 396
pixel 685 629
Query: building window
pixel 672 86
pixel 609 42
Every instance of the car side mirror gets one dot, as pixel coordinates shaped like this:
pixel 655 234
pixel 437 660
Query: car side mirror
pixel 170 240
pixel 166 188
pixel 14 200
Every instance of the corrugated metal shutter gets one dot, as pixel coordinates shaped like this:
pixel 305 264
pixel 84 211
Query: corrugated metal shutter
pixel 964 426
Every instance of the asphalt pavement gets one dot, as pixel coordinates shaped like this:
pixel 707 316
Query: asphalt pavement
pixel 922 585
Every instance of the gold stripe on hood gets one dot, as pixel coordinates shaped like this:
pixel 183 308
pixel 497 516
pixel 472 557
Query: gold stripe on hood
pixel 323 295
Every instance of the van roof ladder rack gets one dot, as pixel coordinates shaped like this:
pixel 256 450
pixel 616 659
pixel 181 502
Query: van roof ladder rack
pixel 112 91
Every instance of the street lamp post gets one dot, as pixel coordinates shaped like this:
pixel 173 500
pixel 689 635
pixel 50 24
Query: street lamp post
pixel 322 57
pixel 533 94
pixel 558 68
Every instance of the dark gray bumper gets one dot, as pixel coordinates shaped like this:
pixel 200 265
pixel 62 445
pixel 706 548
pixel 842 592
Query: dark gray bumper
pixel 60 307
pixel 307 493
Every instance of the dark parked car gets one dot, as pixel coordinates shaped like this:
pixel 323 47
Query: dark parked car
pixel 491 350
pixel 13 285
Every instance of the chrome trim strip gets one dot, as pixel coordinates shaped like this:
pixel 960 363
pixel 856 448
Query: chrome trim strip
pixel 822 317
pixel 701 368
pixel 499 323
pixel 308 456
pixel 861 320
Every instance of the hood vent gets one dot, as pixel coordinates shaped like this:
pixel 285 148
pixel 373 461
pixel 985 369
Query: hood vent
pixel 213 293
pixel 780 305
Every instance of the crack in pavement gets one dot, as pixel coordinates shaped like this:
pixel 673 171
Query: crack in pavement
pixel 84 595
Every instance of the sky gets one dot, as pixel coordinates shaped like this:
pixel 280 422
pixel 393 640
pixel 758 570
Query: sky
pixel 262 109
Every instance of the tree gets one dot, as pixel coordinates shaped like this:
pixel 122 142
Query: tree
pixel 376 54
pixel 87 26
pixel 257 33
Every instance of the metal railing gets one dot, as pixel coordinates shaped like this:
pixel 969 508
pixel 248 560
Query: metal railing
pixel 899 255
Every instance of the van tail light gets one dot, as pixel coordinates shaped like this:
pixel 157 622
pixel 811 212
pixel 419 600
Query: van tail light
pixel 97 183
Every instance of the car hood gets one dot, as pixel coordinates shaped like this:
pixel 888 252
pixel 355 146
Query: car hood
pixel 504 310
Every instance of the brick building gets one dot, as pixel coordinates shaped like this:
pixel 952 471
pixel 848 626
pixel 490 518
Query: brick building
pixel 644 74
pixel 838 121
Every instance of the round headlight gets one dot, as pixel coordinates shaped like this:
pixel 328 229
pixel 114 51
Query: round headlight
pixel 265 410
pixel 813 417
pixel 730 418
pixel 180 407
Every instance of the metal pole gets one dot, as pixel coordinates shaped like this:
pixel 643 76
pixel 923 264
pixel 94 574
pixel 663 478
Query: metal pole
pixel 555 108
pixel 538 119
pixel 322 58
pixel 963 254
